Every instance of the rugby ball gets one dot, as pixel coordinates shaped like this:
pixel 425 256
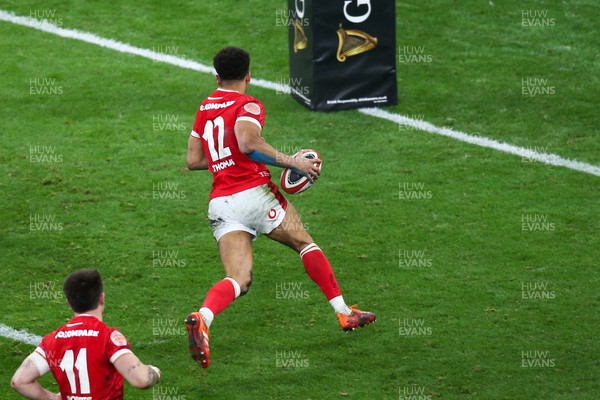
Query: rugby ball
pixel 294 183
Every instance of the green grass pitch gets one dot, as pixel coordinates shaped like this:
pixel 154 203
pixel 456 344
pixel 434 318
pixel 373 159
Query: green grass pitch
pixel 481 266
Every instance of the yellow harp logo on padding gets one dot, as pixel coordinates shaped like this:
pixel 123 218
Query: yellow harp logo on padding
pixel 353 42
pixel 300 40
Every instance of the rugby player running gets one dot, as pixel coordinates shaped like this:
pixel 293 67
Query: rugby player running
pixel 227 140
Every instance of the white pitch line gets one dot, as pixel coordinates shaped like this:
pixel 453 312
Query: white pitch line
pixel 21 336
pixel 551 159
pixel 545 158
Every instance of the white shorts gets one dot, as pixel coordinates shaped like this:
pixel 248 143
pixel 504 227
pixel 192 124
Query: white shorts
pixel 258 209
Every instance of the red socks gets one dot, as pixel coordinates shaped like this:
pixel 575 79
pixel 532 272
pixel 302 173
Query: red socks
pixel 319 270
pixel 224 292
pixel 221 295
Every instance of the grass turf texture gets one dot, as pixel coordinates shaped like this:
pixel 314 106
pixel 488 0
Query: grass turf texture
pixel 113 158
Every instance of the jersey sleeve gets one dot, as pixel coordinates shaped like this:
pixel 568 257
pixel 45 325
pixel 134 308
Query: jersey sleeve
pixel 197 129
pixel 116 345
pixel 251 111
pixel 38 358
pixel 195 134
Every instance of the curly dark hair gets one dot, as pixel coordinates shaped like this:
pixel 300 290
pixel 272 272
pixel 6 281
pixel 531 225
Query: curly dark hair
pixel 232 63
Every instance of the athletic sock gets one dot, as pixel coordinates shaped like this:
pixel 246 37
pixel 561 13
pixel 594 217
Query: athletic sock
pixel 318 268
pixel 218 298
pixel 207 316
pixel 339 305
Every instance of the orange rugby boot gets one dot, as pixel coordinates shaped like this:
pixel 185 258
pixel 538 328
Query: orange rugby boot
pixel 356 319
pixel 198 335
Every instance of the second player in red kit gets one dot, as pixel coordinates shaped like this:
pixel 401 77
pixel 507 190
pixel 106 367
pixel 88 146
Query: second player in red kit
pixel 88 359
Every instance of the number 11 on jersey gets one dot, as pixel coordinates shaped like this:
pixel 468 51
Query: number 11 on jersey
pixel 69 364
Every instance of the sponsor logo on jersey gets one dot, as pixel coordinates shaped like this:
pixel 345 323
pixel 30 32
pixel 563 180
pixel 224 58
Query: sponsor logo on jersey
pixel 76 333
pixel 79 398
pixel 216 106
pixel 118 338
pixel 252 108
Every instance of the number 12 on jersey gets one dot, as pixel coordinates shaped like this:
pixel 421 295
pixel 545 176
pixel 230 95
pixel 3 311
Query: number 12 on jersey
pixel 217 152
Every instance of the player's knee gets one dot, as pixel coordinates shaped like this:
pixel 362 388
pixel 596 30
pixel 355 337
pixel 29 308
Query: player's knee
pixel 245 284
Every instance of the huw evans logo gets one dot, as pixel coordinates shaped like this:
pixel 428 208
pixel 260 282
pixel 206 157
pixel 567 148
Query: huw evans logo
pixel 413 55
pixel 44 154
pixel 168 123
pixel 410 128
pixel 167 327
pixel 44 222
pixel 413 191
pixel 536 86
pixel 46 17
pixel 163 392
pixel 536 359
pixel 167 259
pixel 287 18
pixel 413 392
pixel 167 191
pixel 413 327
pixel 44 291
pixel 536 223
pixel 534 149
pixel 414 259
pixel 287 85
pixel 536 18
pixel 291 359
pixel 168 50
pixel 290 291
pixel 44 87
pixel 537 290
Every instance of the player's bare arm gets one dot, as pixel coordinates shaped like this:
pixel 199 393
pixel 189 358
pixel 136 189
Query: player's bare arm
pixel 135 372
pixel 24 381
pixel 196 158
pixel 250 140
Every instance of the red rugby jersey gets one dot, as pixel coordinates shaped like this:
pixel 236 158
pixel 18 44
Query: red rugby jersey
pixel 80 355
pixel 232 170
